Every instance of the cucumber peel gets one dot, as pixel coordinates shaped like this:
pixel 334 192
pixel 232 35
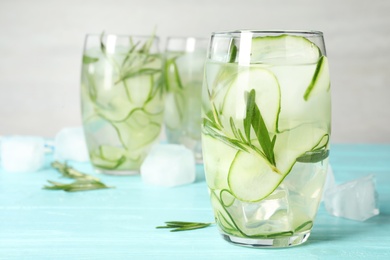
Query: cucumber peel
pixel 320 81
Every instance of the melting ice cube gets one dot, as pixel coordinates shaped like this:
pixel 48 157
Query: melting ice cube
pixel 70 145
pixel 330 182
pixel 168 165
pixel 271 215
pixel 356 200
pixel 22 153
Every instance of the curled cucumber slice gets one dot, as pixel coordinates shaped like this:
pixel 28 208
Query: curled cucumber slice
pixel 267 89
pixel 284 49
pixel 251 178
pixel 320 81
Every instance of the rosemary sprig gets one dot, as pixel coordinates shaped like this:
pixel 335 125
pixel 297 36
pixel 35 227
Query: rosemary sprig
pixel 78 185
pixel 71 173
pixel 176 226
pixel 242 140
pixel 83 182
pixel 255 119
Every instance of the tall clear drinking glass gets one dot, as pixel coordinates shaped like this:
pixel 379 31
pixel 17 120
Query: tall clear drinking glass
pixel 184 68
pixel 266 125
pixel 122 100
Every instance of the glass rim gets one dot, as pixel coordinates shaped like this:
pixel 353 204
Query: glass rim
pixel 306 33
pixel 186 38
pixel 121 35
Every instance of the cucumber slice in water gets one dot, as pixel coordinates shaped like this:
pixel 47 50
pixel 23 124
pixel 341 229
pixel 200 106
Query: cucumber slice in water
pixel 174 109
pixel 320 81
pixel 172 76
pixel 139 89
pixel 217 162
pixel 251 178
pixel 224 219
pixel 267 90
pixel 108 157
pixel 139 130
pixel 284 49
pixel 112 157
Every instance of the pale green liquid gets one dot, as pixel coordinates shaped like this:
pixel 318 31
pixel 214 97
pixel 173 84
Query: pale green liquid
pixel 183 106
pixel 291 208
pixel 121 118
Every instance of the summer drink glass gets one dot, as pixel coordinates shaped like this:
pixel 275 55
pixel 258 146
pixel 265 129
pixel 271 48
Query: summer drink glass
pixel 265 134
pixel 184 69
pixel 122 100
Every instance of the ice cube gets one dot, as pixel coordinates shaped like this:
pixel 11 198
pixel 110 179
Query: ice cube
pixel 270 215
pixel 70 145
pixel 329 182
pixel 356 200
pixel 168 165
pixel 22 153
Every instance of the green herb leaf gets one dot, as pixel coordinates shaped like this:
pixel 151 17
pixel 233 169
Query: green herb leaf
pixel 88 59
pixel 210 129
pixel 78 185
pixel 147 45
pixel 83 182
pixel 250 109
pixel 102 46
pixel 143 71
pixel 257 122
pixel 172 75
pixel 232 52
pixel 314 156
pixel 129 53
pixel 184 226
pixel 69 172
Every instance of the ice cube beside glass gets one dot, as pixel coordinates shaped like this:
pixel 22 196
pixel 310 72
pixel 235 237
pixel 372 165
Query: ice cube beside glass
pixel 355 200
pixel 70 144
pixel 168 165
pixel 22 153
pixel 330 182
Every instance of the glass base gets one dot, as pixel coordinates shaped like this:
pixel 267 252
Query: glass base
pixel 117 172
pixel 278 242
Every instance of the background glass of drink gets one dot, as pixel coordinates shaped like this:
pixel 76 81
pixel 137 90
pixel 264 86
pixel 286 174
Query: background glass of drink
pixel 265 134
pixel 184 68
pixel 122 100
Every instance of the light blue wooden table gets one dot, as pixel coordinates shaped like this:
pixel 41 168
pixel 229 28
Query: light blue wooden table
pixel 120 223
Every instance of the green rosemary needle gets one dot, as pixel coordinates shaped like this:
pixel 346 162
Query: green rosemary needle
pixel 184 226
pixel 83 182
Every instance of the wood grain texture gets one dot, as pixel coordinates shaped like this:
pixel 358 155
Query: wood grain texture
pixel 120 223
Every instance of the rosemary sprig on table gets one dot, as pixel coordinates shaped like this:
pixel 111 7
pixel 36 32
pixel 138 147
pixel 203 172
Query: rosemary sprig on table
pixel 69 172
pixel 83 182
pixel 184 226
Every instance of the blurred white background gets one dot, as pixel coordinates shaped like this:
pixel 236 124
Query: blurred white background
pixel 41 46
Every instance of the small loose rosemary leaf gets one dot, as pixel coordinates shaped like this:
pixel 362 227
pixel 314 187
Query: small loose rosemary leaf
pixel 83 182
pixel 176 226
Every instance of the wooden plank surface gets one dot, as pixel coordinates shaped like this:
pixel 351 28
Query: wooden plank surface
pixel 120 223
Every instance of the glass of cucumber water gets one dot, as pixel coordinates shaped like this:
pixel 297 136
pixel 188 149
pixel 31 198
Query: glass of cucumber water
pixel 184 69
pixel 122 100
pixel 266 110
